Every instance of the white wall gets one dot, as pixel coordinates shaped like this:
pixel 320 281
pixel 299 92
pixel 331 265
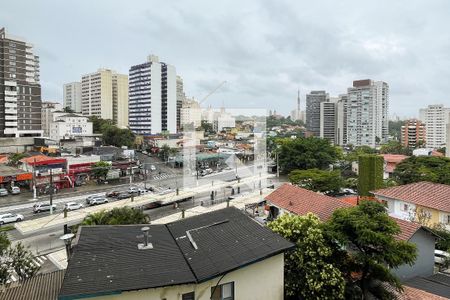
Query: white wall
pixel 155 71
pixel 262 280
pixel 171 99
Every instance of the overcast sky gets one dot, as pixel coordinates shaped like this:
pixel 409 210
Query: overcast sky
pixel 265 50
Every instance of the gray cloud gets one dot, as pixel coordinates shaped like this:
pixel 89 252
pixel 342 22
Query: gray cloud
pixel 265 50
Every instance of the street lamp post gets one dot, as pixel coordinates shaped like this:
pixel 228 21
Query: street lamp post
pixel 67 238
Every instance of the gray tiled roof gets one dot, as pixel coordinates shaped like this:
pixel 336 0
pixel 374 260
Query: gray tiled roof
pixel 106 259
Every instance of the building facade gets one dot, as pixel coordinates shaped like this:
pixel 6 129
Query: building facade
pixel 341 120
pixel 72 96
pixel 328 121
pixel 20 90
pixel 152 97
pixel 413 134
pixel 104 94
pixel 436 117
pixel 313 100
pixel 190 114
pixel 180 99
pixel 69 126
pixel 367 113
pixel 48 108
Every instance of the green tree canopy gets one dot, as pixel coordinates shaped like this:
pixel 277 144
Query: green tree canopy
pixel 16 259
pixel 369 236
pixel 117 216
pixel 329 182
pixel 370 173
pixel 309 271
pixel 99 125
pixel 118 137
pixel 13 159
pixel 423 168
pixel 100 169
pixel 306 153
pixel 395 147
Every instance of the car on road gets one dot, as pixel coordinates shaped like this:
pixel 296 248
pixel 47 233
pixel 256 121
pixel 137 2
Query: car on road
pixel 441 257
pixel 73 206
pixel 40 207
pixel 123 195
pixel 98 200
pixel 135 190
pixel 151 205
pixel 9 218
pixel 89 198
pixel 15 190
pixel 153 168
pixel 112 194
pixel 3 192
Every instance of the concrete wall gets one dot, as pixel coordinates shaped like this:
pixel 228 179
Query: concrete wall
pixel 16 145
pixel 424 265
pixel 263 281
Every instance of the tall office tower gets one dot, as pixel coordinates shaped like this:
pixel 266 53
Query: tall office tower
pixel 367 113
pixel 413 134
pixel 436 117
pixel 20 90
pixel 313 101
pixel 72 96
pixel 104 94
pixel 328 121
pixel 341 120
pixel 153 97
pixel 48 108
pixel 180 98
pixel 120 99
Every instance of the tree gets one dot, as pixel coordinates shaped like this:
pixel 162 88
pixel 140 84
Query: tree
pixel 370 173
pixel 13 159
pixel 309 272
pixel 306 153
pixel 369 233
pixel 67 109
pixel 116 216
pixel 395 128
pixel 100 169
pixel 115 136
pixel 395 147
pixel 15 259
pixel 99 125
pixel 423 168
pixel 206 126
pixel 329 182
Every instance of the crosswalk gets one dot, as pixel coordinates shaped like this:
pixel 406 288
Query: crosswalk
pixel 163 176
pixel 38 261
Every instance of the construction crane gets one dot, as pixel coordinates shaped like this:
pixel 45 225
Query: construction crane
pixel 212 92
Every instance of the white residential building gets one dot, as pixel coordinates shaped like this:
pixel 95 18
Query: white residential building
pixel 367 113
pixel 328 121
pixel 104 94
pixel 152 97
pixel 70 125
pixel 48 109
pixel 224 120
pixel 72 96
pixel 436 117
pixel 190 113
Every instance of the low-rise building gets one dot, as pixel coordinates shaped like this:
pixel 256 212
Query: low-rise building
pixel 223 254
pixel 48 108
pixel 70 125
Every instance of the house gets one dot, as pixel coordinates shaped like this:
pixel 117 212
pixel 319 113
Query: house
pixel 390 163
pixel 293 199
pixel 426 202
pixel 223 254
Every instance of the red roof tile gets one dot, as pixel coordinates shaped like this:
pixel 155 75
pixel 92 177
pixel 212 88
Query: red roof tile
pixel 302 201
pixel 427 194
pixel 394 158
pixel 410 293
pixel 353 200
pixel 407 229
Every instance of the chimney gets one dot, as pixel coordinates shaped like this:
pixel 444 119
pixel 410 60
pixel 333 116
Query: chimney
pixel 146 244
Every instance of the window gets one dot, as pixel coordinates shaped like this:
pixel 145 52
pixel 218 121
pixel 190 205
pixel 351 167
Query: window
pixel 405 207
pixel 223 292
pixel 188 296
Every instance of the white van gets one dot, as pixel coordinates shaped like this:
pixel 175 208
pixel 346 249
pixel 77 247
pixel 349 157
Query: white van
pixel 15 190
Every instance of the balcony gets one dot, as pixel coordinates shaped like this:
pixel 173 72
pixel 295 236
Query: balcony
pixel 11 118
pixel 11 93
pixel 10 124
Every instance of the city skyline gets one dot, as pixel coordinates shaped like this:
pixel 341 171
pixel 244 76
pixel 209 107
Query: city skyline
pixel 263 58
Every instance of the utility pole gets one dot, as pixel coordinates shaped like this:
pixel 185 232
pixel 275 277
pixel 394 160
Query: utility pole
pixel 34 181
pixel 51 191
pixel 131 172
pixel 278 166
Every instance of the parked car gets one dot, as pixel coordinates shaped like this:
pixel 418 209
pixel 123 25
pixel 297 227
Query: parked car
pixel 112 194
pixel 3 192
pixel 144 152
pixel 135 190
pixel 88 199
pixel 440 257
pixel 123 195
pixel 73 206
pixel 39 207
pixel 153 168
pixel 98 200
pixel 151 205
pixel 15 190
pixel 9 218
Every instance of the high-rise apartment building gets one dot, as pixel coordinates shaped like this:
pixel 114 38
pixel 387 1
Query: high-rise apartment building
pixel 413 134
pixel 48 108
pixel 436 117
pixel 190 115
pixel 328 121
pixel 367 113
pixel 104 94
pixel 341 120
pixel 72 96
pixel 152 97
pixel 313 100
pixel 20 90
pixel 180 98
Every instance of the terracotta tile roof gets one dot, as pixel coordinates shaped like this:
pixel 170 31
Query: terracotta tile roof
pixel 394 158
pixel 38 158
pixel 353 200
pixel 408 229
pixel 301 201
pixel 427 194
